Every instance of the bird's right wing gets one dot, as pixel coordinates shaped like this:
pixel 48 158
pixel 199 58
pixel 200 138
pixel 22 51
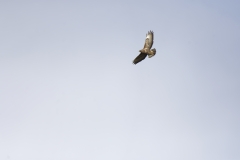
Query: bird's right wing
pixel 139 58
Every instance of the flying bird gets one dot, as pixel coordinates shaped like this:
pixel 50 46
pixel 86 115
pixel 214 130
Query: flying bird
pixel 146 49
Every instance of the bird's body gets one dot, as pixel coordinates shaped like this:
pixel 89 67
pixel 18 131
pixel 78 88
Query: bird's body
pixel 146 49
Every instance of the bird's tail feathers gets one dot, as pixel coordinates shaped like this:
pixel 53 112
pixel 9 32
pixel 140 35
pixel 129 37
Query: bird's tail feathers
pixel 153 52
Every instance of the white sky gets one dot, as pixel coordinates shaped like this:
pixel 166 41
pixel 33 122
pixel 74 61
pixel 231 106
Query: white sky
pixel 69 90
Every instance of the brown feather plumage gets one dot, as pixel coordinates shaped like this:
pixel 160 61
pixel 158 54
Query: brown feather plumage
pixel 146 49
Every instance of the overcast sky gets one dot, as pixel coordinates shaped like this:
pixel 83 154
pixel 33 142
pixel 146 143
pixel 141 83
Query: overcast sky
pixel 69 90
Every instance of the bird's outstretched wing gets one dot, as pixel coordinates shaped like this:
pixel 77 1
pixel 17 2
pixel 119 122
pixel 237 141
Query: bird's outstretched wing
pixel 149 40
pixel 139 58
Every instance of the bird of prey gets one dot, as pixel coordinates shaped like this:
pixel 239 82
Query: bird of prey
pixel 146 49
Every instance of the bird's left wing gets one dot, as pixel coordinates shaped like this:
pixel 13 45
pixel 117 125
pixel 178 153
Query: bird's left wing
pixel 149 40
pixel 139 58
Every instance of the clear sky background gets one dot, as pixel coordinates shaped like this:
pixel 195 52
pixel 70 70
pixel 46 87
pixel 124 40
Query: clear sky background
pixel 69 90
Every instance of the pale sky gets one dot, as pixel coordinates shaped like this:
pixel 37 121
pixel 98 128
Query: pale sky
pixel 69 90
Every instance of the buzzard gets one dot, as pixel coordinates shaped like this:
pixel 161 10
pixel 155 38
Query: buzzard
pixel 146 49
